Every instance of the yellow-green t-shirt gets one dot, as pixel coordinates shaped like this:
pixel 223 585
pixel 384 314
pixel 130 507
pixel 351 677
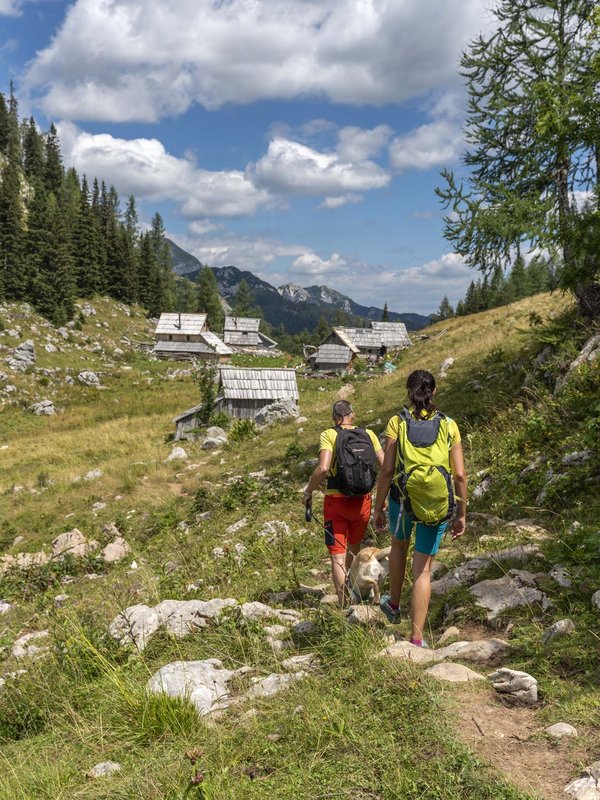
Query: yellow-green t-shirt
pixel 393 429
pixel 327 442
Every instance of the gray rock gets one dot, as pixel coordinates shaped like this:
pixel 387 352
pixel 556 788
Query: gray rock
pixel 453 673
pixel 450 633
pixel 303 661
pixel 135 626
pixel 482 488
pixel 480 651
pixel 589 353
pixel 50 348
pixel 467 573
pixel 88 310
pixel 115 550
pixel 258 611
pixel 274 529
pixel 23 356
pixel 532 467
pixel 182 617
pixel 561 575
pixel 236 526
pixel 564 627
pixel 103 769
pixel 23 648
pixel 88 378
pixel 92 475
pixel 215 432
pixel 446 364
pixel 520 685
pixel 273 684
pixel 212 444
pixel 176 454
pixel 301 420
pixel 203 683
pixel 561 730
pixel 506 593
pixel 43 408
pixel 405 651
pixel 577 458
pixel 596 600
pixel 587 786
pixel 5 607
pixel 305 627
pixel 365 614
pixel 529 528
pixel 60 600
pixel 72 543
pixel 280 409
pixel 310 463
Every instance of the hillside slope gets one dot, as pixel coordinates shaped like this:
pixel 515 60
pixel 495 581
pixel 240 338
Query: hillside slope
pixel 355 726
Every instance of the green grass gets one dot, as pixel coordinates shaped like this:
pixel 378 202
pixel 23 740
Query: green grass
pixel 359 727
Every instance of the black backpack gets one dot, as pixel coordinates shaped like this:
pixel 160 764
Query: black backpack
pixel 355 459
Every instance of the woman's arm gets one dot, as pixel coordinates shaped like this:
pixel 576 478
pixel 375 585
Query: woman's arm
pixel 386 475
pixel 457 463
pixel 319 474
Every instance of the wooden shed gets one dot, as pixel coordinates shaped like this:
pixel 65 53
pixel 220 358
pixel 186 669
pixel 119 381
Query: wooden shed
pixel 332 358
pixel 176 327
pixel 208 347
pixel 393 334
pixel 243 333
pixel 244 391
pixel 368 341
pixel 186 422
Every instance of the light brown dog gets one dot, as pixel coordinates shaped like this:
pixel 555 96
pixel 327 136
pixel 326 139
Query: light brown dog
pixel 368 571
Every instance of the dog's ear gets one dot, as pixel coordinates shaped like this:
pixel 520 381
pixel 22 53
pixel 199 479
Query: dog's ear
pixel 383 554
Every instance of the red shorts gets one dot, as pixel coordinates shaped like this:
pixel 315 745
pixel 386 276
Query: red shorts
pixel 346 520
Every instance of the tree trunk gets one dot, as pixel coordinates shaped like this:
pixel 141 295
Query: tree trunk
pixel 588 299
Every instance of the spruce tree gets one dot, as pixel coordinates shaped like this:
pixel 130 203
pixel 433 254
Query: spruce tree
pixel 244 300
pixel 322 330
pixel 13 276
pixel 445 310
pixel 385 316
pixel 4 125
pixel 33 151
pixel 86 246
pixel 208 300
pixel 533 135
pixel 53 166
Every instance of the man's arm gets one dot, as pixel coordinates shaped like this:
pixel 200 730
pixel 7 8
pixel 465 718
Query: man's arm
pixel 386 475
pixel 457 462
pixel 319 474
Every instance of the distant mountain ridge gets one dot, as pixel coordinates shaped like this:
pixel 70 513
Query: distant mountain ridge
pixel 295 307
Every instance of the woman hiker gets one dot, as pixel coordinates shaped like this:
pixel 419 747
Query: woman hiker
pixel 424 448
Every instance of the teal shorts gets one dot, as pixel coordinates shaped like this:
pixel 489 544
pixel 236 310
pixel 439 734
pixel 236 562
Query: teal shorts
pixel 427 537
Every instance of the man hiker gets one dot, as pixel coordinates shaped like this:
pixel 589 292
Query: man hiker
pixel 348 457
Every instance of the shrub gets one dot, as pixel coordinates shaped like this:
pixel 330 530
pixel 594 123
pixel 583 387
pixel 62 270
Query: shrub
pixel 242 429
pixel 206 377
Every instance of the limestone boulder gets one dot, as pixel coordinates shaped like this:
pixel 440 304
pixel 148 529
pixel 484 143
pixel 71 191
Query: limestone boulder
pixel 115 550
pixel 587 786
pixel 467 573
pixel 564 627
pixel 506 593
pixel 453 673
pixel 24 646
pixel 280 409
pixel 135 625
pixel 405 651
pixel 365 614
pixel 73 543
pixel 177 454
pixel 519 685
pixel 88 378
pixel 103 769
pixel 561 730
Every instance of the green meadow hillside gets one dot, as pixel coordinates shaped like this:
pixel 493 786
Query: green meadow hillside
pixel 95 519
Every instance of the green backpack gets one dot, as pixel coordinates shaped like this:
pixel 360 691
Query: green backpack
pixel 423 485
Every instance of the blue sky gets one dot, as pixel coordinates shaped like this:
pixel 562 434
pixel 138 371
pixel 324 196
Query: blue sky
pixel 300 139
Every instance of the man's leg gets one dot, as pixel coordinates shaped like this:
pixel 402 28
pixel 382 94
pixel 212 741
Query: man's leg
pixel 421 593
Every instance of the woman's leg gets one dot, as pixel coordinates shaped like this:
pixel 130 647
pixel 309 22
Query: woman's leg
pixel 421 592
pixel 338 574
pixel 398 556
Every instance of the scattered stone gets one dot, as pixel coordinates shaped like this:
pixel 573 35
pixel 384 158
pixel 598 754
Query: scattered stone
pixel 5 607
pixel 305 628
pixel 215 437
pixel 453 673
pixel 405 651
pixel 280 409
pixel 564 627
pixel 218 552
pixel 467 573
pixel 589 353
pixel 98 506
pixel 365 614
pixel 103 769
pixel 88 310
pixel 587 786
pixel 310 463
pixel 506 593
pixel 60 600
pixel 92 475
pixel 23 356
pixel 237 526
pixel 345 392
pixel 446 365
pixel 176 453
pixel 43 408
pixel 115 550
pixel 561 575
pixel 274 529
pixel 532 467
pixel 23 648
pixel 257 611
pixel 482 488
pixel 88 378
pixel 596 600
pixel 450 633
pixel 519 685
pixel 303 661
pixel 577 458
pixel 480 651
pixel 561 729
pixel 72 543
pixel 273 684
pixel 203 683
pixel 528 527
pixel 135 625
pixel 329 600
pixel 22 561
pixel 301 420
pixel 50 348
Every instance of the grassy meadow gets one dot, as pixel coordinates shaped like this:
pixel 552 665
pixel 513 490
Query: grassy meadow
pixel 359 727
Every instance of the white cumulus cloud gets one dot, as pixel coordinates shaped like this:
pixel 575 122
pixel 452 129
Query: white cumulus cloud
pixel 290 167
pixel 144 168
pixel 431 145
pixel 125 60
pixel 314 268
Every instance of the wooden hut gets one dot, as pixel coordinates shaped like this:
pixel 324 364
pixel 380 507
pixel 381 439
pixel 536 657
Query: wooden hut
pixel 368 341
pixel 243 333
pixel 393 334
pixel 183 337
pixel 332 358
pixel 186 421
pixel 244 391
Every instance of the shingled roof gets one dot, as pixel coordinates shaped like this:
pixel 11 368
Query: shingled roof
pixel 186 324
pixel 261 383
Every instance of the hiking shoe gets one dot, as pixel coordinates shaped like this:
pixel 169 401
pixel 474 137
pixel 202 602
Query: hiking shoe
pixel 393 614
pixel 423 644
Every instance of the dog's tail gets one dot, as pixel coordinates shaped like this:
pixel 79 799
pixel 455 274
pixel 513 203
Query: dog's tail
pixel 384 553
